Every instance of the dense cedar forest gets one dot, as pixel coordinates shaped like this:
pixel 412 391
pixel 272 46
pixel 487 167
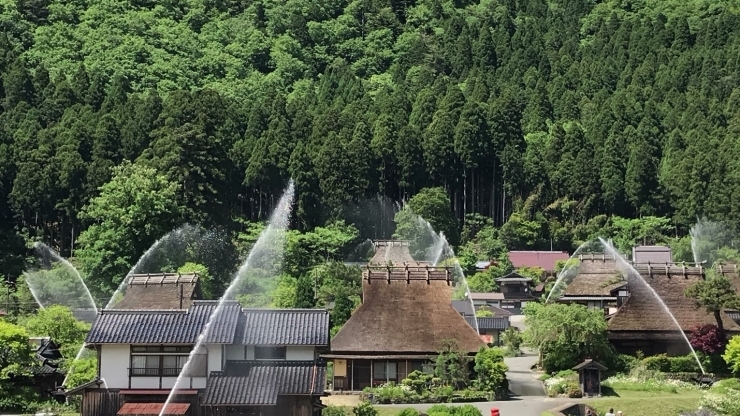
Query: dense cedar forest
pixel 550 113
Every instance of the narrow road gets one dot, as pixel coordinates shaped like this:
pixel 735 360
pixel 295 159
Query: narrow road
pixel 522 383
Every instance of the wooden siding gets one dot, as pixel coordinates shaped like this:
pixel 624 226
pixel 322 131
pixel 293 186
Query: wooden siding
pixel 100 403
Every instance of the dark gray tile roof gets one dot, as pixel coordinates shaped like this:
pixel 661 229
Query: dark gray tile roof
pixel 166 326
pixel 261 382
pixel 285 327
pixel 463 306
pixel 489 323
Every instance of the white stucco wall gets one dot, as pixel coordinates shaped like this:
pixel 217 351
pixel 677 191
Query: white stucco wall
pixel 114 363
pixel 299 353
pixel 215 357
pixel 143 383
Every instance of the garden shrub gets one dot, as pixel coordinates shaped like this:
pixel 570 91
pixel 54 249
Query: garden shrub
pixel 490 369
pixel 659 362
pixel 725 403
pixel 622 363
pixel 465 410
pixel 365 409
pixel 409 412
pixel 333 411
pixel 683 364
pixel 439 410
pixel 566 374
pixel 726 384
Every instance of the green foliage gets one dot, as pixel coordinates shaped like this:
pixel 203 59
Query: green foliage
pixel 512 338
pixel 663 363
pixel 284 295
pixel 16 354
pixel 714 293
pixel 82 371
pixel 333 411
pixel 365 409
pixel 409 412
pixel 442 410
pixel 204 277
pixel 135 208
pixel 483 313
pixel 451 365
pixel 431 205
pixel 732 355
pixel 490 369
pixel 58 323
pixel 566 334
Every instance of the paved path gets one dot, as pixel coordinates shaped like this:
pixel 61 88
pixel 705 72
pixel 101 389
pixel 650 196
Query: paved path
pixel 522 382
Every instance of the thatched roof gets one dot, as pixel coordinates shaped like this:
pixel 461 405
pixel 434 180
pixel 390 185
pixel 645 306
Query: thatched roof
pixel 401 317
pixel 642 312
pixel 160 291
pixel 393 251
pixel 597 276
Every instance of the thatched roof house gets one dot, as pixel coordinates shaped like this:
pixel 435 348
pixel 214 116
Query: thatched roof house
pixel 405 317
pixel 597 284
pixel 642 323
pixel 161 291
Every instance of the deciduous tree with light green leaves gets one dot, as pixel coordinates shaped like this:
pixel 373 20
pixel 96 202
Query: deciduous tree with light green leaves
pixel 565 334
pixel 58 323
pixel 135 208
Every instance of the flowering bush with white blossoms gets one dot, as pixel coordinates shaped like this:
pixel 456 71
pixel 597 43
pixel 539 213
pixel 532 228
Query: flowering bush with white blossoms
pixel 725 403
pixel 658 383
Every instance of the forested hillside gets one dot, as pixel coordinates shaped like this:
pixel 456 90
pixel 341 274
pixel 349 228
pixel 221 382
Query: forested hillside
pixel 550 113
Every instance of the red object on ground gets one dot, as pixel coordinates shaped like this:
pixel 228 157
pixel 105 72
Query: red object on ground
pixel 495 412
pixel 147 409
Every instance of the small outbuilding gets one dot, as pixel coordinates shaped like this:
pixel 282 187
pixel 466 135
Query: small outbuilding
pixel 589 377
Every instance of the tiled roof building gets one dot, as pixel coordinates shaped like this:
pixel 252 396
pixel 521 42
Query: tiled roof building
pixel 263 360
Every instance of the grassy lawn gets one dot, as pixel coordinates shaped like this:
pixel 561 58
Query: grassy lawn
pixel 647 403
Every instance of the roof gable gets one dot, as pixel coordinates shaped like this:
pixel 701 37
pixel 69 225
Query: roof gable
pixel 413 317
pixel 597 276
pixel 166 326
pixel 514 277
pixel 641 311
pixel 285 327
pixel 161 291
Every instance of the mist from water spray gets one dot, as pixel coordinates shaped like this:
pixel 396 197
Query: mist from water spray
pixel 439 250
pixel 570 270
pixel 628 270
pixel 57 282
pixel 707 237
pixel 269 246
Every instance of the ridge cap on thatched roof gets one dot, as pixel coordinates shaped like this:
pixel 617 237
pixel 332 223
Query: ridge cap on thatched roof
pixel 406 318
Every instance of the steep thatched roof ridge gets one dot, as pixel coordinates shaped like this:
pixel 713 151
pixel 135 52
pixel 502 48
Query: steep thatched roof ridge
pixel 394 251
pixel 642 312
pixel 596 276
pixel 161 291
pixel 400 317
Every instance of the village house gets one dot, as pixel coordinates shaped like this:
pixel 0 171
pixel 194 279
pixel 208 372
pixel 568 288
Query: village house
pixel 637 320
pixel 489 327
pixel 546 260
pixel 517 290
pixel 642 323
pixel 252 361
pixel 598 284
pixel 405 317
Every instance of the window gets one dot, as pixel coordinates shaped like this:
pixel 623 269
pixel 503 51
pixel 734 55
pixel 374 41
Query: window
pixel 269 353
pixel 384 371
pixel 158 361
